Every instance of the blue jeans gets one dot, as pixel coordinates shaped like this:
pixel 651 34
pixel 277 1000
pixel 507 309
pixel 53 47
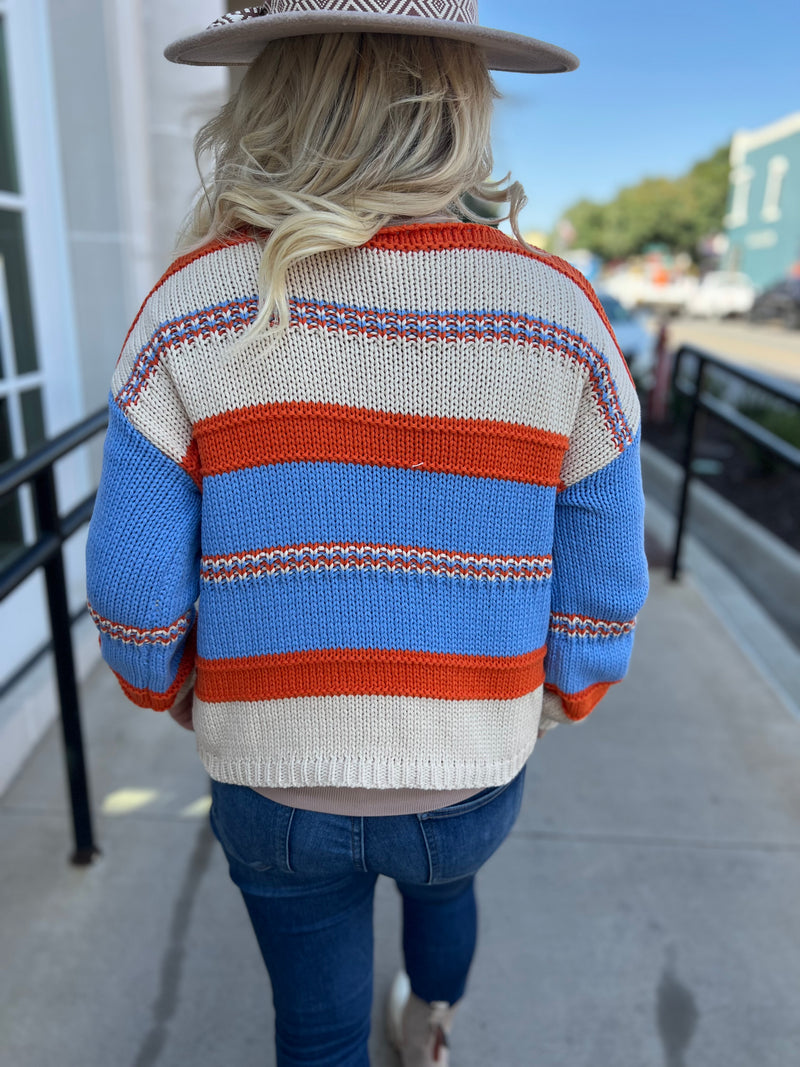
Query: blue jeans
pixel 308 882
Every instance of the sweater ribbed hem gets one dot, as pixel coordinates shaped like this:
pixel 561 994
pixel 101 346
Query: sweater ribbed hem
pixel 366 774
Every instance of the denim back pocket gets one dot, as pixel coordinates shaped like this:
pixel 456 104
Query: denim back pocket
pixel 461 838
pixel 253 830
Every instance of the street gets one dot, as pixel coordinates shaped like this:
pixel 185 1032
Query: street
pixel 768 349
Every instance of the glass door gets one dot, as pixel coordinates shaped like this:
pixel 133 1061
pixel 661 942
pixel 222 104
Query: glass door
pixel 21 411
pixel 39 374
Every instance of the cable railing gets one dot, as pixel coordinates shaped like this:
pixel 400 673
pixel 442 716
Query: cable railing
pixel 702 399
pixel 37 470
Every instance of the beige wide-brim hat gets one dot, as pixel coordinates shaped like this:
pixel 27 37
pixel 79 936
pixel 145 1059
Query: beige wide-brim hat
pixel 237 39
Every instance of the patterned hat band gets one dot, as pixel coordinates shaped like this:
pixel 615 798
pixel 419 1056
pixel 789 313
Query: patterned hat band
pixel 444 10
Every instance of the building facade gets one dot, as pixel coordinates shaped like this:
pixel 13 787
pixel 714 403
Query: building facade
pixel 763 220
pixel 96 174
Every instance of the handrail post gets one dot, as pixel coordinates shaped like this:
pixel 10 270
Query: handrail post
pixel 688 459
pixel 60 627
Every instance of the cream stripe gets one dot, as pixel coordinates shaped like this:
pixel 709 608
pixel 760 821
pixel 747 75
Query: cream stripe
pixel 206 282
pixel 626 390
pixel 471 279
pixel 365 741
pixel 593 448
pixel 160 416
pixel 464 278
pixel 511 383
pixel 489 381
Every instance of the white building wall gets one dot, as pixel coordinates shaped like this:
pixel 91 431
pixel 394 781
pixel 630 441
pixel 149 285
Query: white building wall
pixel 94 224
pixel 127 119
pixel 183 98
pixel 119 120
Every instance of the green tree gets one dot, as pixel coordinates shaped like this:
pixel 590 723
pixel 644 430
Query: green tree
pixel 588 221
pixel 676 213
pixel 707 184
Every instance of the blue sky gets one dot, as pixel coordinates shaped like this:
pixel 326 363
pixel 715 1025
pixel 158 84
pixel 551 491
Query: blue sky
pixel 659 87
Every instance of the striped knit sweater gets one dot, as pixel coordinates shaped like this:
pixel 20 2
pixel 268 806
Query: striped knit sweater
pixel 389 551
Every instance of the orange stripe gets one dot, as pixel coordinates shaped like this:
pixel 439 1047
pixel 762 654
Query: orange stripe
pixel 335 672
pixel 191 464
pixel 306 432
pixel 578 705
pixel 147 698
pixel 427 237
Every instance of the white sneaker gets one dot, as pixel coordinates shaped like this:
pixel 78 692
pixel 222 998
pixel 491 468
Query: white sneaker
pixel 418 1030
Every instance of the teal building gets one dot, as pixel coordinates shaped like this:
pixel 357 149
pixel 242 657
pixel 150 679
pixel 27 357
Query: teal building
pixel 763 220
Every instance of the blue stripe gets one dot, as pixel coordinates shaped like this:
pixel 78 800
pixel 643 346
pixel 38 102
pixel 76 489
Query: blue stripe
pixel 599 565
pixel 154 668
pixel 372 610
pixel 599 571
pixel 303 503
pixel 573 663
pixel 142 558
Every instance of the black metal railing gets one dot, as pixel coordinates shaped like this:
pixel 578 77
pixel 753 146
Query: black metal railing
pixel 37 470
pixel 700 399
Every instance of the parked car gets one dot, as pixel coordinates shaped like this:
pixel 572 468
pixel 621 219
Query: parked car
pixel 721 293
pixel 638 344
pixel 780 303
pixel 635 290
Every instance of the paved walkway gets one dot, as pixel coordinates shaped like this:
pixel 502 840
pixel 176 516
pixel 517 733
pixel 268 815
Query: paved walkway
pixel 643 913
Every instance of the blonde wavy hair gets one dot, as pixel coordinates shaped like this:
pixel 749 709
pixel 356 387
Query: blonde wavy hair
pixel 330 137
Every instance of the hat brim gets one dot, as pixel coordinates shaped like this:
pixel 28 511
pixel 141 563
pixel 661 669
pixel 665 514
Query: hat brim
pixel 238 43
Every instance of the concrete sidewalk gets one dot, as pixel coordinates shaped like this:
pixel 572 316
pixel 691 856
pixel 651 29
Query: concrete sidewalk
pixel 644 912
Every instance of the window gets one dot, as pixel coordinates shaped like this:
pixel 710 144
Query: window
pixel 742 178
pixel 21 381
pixel 776 172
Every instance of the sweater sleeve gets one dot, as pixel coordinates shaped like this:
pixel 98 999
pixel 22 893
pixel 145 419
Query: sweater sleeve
pixel 600 578
pixel 143 551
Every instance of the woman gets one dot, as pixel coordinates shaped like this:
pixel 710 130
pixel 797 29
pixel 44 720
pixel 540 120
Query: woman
pixel 395 456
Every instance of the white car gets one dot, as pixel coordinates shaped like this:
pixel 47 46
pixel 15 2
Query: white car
pixel 638 344
pixel 721 293
pixel 635 290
